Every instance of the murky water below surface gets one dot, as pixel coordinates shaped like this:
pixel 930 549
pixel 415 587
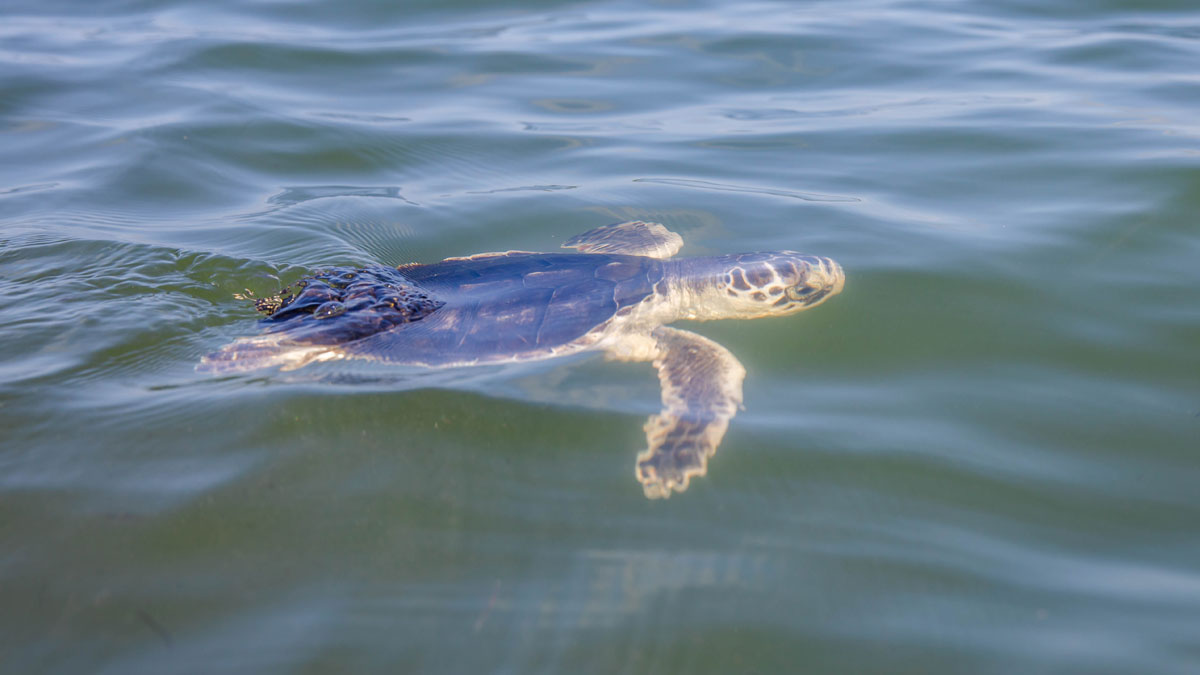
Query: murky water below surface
pixel 981 457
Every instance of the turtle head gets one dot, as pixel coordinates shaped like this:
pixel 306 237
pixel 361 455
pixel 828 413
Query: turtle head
pixel 751 285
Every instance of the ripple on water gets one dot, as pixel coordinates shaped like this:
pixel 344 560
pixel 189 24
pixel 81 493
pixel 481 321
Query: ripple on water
pixel 709 185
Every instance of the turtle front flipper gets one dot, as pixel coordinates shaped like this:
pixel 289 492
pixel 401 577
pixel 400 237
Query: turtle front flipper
pixel 652 240
pixel 701 392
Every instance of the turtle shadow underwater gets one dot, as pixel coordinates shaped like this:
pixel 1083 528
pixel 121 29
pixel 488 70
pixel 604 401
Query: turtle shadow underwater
pixel 615 294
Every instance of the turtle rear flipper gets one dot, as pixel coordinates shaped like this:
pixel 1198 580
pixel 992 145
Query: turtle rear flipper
pixel 267 351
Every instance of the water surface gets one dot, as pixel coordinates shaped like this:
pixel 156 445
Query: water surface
pixel 981 457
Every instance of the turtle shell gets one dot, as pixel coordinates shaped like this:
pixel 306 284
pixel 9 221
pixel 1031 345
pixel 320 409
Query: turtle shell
pixel 490 307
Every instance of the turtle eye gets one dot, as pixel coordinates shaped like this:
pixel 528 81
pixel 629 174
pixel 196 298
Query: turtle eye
pixel 799 292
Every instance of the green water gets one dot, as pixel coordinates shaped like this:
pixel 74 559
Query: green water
pixel 982 457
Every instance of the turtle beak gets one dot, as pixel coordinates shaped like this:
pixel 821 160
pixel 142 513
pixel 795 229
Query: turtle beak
pixel 834 275
pixel 824 278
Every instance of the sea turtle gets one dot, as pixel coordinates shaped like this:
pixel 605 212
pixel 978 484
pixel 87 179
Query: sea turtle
pixel 615 294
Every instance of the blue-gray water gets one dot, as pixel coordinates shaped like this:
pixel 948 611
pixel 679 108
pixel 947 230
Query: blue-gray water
pixel 982 457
